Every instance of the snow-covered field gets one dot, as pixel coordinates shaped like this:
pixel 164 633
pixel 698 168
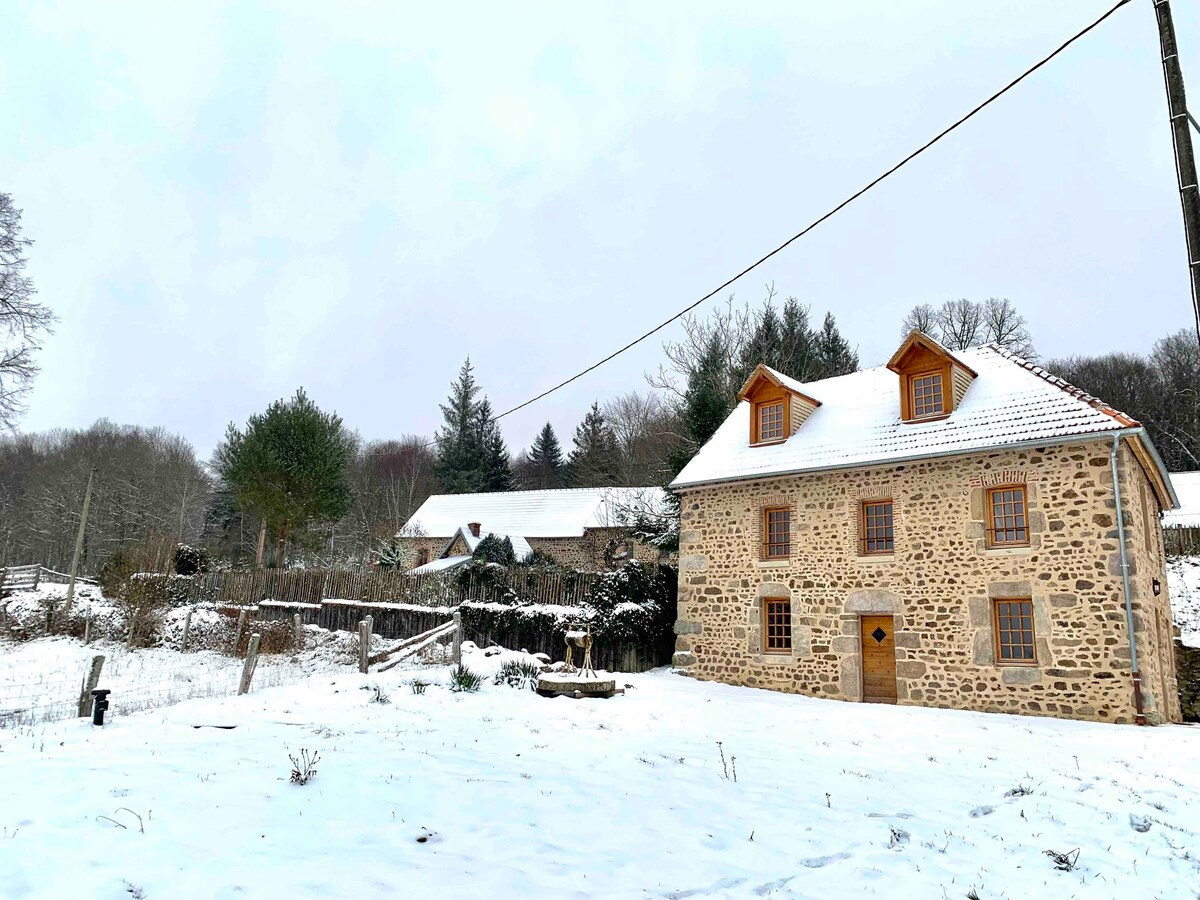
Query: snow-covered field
pixel 40 680
pixel 1183 581
pixel 504 794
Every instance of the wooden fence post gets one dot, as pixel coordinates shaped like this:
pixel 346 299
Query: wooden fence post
pixel 298 637
pixel 364 646
pixel 248 666
pixel 241 626
pixel 87 629
pixel 89 685
pixel 187 630
pixel 458 638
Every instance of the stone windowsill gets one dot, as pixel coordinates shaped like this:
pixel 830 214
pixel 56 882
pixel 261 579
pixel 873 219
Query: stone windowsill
pixel 776 659
pixel 1008 551
pixel 771 563
pixel 874 559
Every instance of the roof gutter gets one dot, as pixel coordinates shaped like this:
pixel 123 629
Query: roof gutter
pixel 940 454
pixel 1139 711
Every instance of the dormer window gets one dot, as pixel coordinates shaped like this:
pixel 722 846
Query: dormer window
pixel 927 395
pixel 933 381
pixel 777 406
pixel 770 422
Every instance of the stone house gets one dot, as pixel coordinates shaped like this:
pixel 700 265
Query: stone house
pixel 583 528
pixel 941 531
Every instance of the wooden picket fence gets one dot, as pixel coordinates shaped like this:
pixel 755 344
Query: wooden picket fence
pixel 1182 541
pixel 316 586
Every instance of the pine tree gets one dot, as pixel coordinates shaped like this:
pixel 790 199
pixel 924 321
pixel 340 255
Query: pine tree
pixel 799 355
pixel 595 460
pixel 706 404
pixel 834 354
pixel 765 344
pixel 544 462
pixel 493 472
pixel 289 467
pixel 458 440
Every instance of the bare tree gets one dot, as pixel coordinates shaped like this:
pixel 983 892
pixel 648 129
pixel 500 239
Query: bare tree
pixel 923 318
pixel 649 433
pixel 23 321
pixel 962 324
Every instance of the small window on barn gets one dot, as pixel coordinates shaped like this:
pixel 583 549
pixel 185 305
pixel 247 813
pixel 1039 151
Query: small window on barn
pixel 876 528
pixel 777 532
pixel 1014 633
pixel 770 422
pixel 777 625
pixel 928 395
pixel 1008 518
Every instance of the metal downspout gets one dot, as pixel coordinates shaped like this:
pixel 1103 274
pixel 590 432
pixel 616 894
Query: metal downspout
pixel 1139 716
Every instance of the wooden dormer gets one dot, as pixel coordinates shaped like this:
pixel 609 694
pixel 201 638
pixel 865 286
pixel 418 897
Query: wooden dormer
pixel 932 380
pixel 777 406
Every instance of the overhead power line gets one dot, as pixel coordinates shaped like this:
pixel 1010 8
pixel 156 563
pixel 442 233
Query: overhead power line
pixel 828 215
pixel 750 268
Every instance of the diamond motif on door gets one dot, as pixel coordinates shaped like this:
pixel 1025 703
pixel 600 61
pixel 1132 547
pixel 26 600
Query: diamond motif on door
pixel 879 634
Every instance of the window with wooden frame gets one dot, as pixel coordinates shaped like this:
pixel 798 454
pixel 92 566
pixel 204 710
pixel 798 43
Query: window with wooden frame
pixel 777 625
pixel 927 394
pixel 770 421
pixel 876 528
pixel 1008 516
pixel 1013 622
pixel 777 532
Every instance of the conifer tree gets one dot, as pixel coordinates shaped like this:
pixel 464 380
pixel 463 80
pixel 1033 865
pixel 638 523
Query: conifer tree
pixel 544 462
pixel 494 473
pixel 835 356
pixel 289 466
pixel 798 357
pixel 595 460
pixel 471 455
pixel 706 404
pixel 458 444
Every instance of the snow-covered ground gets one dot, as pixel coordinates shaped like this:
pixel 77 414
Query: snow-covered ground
pixel 1183 581
pixel 504 794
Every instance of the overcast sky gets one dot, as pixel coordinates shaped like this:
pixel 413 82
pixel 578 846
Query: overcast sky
pixel 233 200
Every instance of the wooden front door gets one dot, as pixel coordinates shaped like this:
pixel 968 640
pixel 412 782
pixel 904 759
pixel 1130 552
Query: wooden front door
pixel 878 660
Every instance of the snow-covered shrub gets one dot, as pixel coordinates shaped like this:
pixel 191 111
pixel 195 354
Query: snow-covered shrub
pixel 209 629
pixel 518 674
pixel 29 614
pixel 190 560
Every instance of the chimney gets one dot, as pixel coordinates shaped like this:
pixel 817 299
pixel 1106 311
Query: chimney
pixel 474 526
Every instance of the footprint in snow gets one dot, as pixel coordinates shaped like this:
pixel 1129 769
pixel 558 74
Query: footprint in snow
pixel 982 811
pixel 817 862
pixel 723 885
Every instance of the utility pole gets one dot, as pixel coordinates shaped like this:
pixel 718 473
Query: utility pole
pixel 87 501
pixel 1185 159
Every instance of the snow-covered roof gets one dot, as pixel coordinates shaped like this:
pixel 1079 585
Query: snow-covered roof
pixel 1187 486
pixel 521 548
pixel 440 565
pixel 538 514
pixel 1011 401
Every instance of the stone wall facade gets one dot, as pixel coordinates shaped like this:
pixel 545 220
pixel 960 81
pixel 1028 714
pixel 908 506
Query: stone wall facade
pixel 588 552
pixel 939 584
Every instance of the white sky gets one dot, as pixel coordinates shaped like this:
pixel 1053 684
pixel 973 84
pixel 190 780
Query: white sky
pixel 233 200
